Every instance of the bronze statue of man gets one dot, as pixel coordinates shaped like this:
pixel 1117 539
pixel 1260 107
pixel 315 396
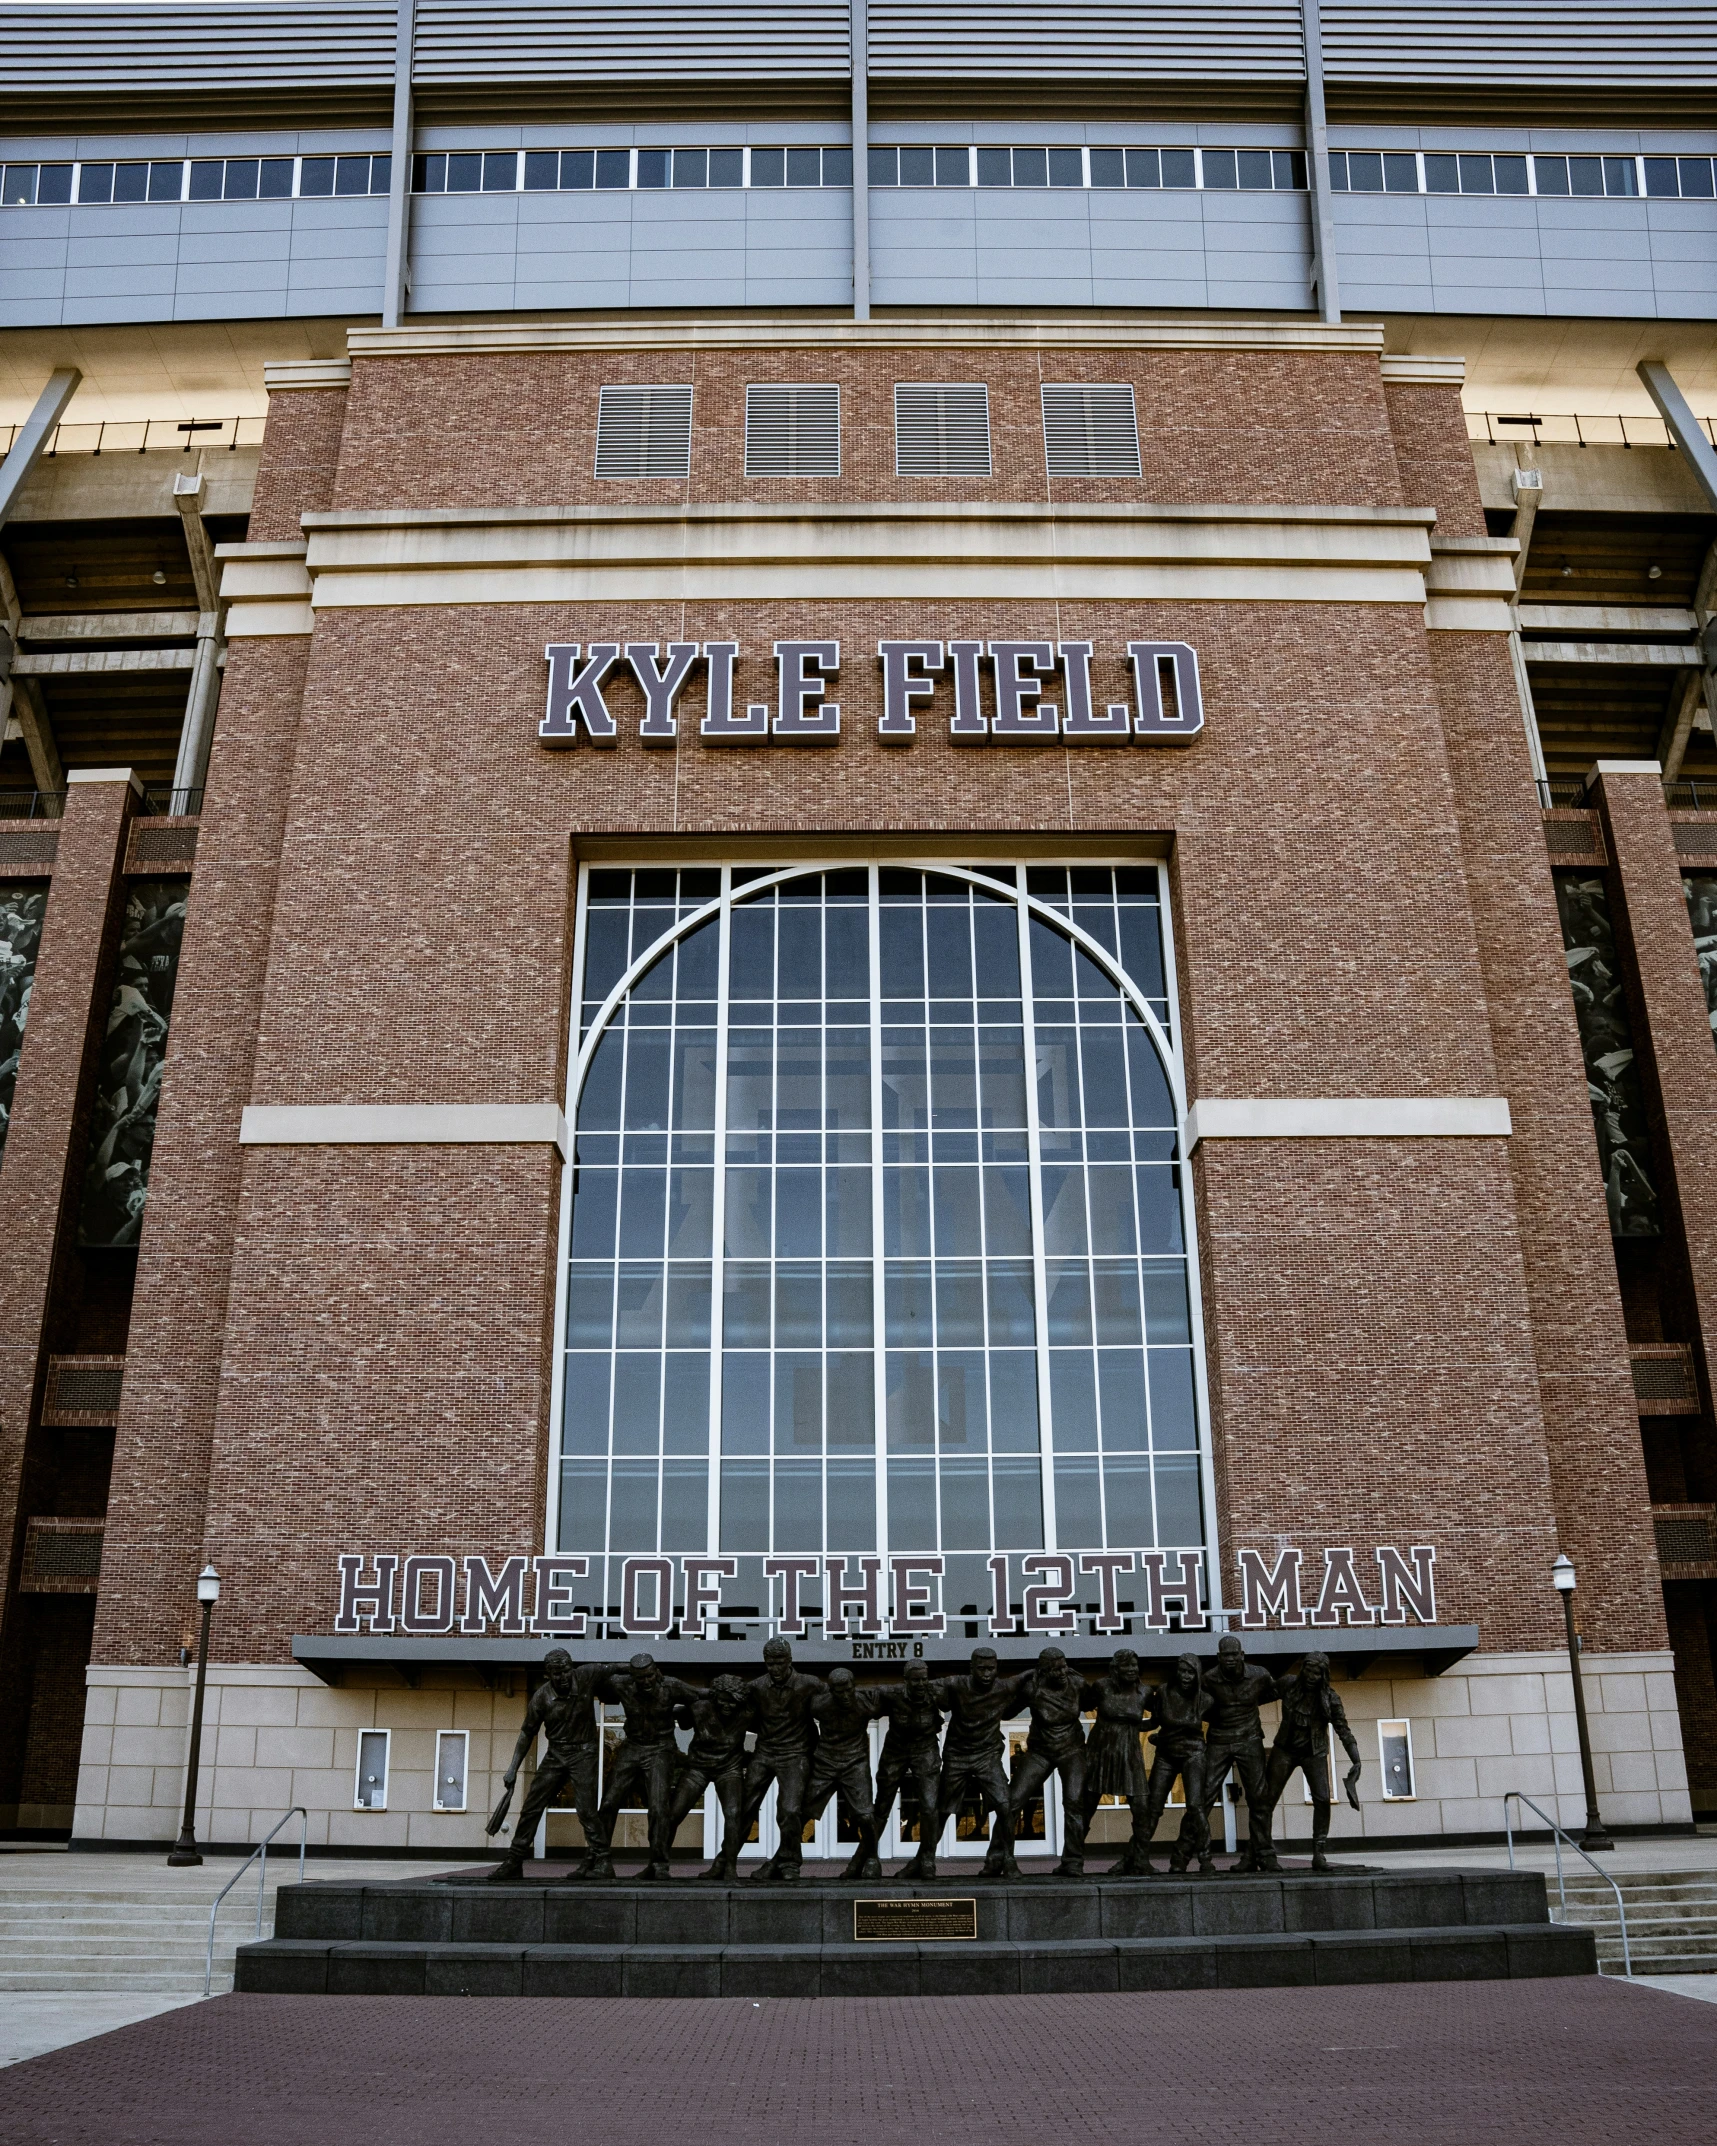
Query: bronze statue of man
pixel 1057 1697
pixel 781 1714
pixel 1235 1739
pixel 1176 1718
pixel 844 1711
pixel 912 1750
pixel 979 1703
pixel 1311 1708
pixel 1115 1757
pixel 563 1709
pixel 648 1758
pixel 718 1720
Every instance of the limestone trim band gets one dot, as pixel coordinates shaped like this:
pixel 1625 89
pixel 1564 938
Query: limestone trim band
pixel 870 552
pixel 283 374
pixel 1408 1117
pixel 1359 338
pixel 404 1125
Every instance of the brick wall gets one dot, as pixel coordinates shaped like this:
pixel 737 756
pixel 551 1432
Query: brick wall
pixel 1307 428
pixel 1359 884
pixel 300 456
pixel 156 1540
pixel 1434 456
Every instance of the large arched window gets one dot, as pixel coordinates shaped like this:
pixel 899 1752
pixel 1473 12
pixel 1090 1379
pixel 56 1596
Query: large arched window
pixel 877 1236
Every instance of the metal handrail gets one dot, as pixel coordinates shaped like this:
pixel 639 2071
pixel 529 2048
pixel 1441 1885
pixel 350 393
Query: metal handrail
pixel 303 1816
pixel 1557 1838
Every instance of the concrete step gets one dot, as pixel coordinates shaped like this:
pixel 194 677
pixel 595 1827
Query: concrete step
pixel 1275 1960
pixel 48 1981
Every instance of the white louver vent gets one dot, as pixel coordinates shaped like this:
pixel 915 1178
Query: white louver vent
pixel 1090 431
pixel 644 432
pixel 941 431
pixel 792 431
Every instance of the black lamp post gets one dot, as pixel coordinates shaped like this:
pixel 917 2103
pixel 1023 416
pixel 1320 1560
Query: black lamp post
pixel 185 1847
pixel 1562 1575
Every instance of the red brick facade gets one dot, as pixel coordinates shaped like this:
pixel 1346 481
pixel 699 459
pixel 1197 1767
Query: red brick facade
pixel 1409 1340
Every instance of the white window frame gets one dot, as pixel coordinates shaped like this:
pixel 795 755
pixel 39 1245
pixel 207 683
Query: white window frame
pixel 358 1802
pixel 462 1737
pixel 1406 1729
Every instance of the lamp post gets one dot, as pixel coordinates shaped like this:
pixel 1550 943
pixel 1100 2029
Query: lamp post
pixel 1562 1576
pixel 185 1847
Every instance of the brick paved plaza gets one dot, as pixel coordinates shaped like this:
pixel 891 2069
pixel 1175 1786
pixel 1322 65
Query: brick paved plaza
pixel 1457 2064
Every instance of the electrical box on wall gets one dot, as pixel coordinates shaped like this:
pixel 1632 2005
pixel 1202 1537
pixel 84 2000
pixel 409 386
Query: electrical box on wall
pixel 370 1791
pixel 452 1751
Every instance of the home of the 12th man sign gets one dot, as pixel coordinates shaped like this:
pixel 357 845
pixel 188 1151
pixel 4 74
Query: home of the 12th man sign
pixel 520 1594
pixel 1008 707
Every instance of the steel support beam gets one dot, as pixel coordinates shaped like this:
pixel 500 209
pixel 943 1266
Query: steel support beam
pixel 1684 428
pixel 860 28
pixel 1326 280
pixel 396 277
pixel 34 434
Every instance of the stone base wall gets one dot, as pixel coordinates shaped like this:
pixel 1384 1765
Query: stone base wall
pixel 273 1737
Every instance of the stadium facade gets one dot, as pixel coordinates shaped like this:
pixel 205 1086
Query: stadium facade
pixel 898 827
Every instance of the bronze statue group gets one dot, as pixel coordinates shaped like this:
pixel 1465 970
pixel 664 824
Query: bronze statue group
pixel 809 1738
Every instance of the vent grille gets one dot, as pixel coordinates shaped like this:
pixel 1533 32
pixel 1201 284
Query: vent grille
pixel 644 432
pixel 28 849
pixel 162 847
pixel 83 1391
pixel 1572 838
pixel 61 1557
pixel 792 431
pixel 1685 1534
pixel 1090 431
pixel 1664 1381
pixel 941 431
pixel 1695 839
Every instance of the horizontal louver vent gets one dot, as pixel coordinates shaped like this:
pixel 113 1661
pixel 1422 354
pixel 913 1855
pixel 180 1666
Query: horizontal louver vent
pixel 644 432
pixel 1090 431
pixel 792 431
pixel 941 431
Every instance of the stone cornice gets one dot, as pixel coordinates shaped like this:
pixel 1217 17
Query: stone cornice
pixel 495 338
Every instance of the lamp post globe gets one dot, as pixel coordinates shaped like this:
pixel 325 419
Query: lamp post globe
pixel 1563 1579
pixel 184 1851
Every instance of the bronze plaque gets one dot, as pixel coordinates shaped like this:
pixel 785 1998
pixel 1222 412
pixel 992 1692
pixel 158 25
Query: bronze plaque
pixel 905 1922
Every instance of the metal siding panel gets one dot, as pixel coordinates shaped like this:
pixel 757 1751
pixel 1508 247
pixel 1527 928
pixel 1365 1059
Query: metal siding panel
pixel 84 47
pixel 1606 44
pixel 1028 39
pixel 646 40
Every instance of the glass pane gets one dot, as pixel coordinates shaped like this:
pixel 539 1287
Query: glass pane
pixel 783 1043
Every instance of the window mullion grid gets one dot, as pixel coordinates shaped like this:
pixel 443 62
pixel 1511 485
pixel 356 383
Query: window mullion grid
pixel 718 1222
pixel 825 1168
pixel 878 1274
pixel 774 1196
pixel 563 1274
pixel 1084 1137
pixel 1190 1272
pixel 928 1030
pixel 1034 1181
pixel 983 1218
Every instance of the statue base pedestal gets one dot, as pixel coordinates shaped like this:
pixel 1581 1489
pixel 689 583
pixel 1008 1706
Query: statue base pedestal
pixel 683 1937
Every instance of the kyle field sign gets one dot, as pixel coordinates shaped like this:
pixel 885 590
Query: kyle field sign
pixel 992 692
pixel 859 1595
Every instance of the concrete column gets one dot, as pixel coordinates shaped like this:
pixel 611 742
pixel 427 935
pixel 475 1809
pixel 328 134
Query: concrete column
pixel 41 1172
pixel 1677 1059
